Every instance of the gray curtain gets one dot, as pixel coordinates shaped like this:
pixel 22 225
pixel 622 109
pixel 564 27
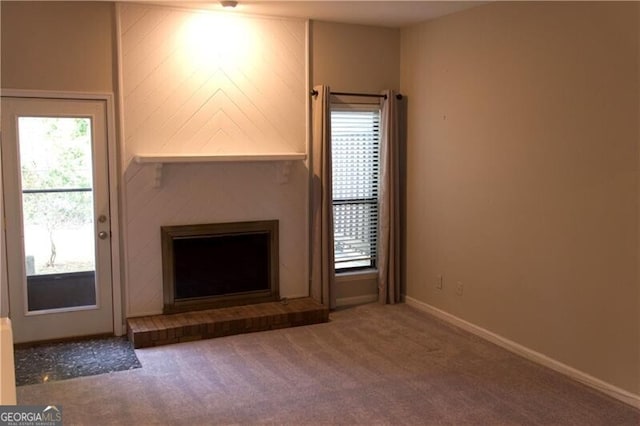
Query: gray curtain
pixel 322 257
pixel 389 263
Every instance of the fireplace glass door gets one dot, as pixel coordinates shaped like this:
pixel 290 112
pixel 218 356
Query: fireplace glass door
pixel 219 264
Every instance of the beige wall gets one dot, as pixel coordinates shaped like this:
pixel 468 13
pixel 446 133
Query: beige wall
pixel 523 177
pixel 355 58
pixel 57 46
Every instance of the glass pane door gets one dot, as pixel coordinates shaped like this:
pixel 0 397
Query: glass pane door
pixel 57 201
pixel 55 183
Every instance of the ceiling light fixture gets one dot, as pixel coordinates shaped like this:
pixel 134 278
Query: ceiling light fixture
pixel 229 3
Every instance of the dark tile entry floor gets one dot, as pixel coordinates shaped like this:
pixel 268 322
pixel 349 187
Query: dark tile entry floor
pixel 60 361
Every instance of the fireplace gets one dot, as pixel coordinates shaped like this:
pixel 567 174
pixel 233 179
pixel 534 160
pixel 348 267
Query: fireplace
pixel 218 265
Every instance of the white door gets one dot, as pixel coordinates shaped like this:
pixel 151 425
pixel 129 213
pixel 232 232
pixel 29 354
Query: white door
pixel 56 195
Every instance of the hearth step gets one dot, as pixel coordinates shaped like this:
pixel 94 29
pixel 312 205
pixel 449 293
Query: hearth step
pixel 157 330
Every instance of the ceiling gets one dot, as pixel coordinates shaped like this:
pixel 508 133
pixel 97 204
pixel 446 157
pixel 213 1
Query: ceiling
pixel 378 13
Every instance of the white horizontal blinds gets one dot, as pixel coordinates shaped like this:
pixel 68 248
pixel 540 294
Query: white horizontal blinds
pixel 355 138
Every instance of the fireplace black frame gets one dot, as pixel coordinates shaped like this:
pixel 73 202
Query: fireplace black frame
pixel 169 233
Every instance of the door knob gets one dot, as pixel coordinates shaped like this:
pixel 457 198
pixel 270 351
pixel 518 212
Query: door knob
pixel 103 235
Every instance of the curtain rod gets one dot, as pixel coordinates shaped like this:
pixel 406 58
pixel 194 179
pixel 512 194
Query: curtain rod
pixel 365 95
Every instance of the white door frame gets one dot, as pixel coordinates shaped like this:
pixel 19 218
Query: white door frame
pixel 119 327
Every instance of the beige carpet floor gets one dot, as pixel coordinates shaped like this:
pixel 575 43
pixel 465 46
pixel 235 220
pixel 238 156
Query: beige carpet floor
pixel 369 365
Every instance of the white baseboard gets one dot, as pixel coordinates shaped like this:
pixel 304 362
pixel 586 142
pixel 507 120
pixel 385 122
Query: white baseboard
pixel 357 300
pixel 584 378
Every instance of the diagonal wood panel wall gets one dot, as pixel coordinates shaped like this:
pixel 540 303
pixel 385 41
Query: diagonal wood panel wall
pixel 205 83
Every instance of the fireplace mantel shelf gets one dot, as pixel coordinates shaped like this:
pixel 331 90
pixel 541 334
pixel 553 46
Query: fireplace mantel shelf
pixel 282 159
pixel 218 158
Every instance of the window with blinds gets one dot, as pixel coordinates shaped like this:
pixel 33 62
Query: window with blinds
pixel 355 138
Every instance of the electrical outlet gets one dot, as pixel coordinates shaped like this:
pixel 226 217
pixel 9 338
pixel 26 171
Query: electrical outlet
pixel 439 282
pixel 459 288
